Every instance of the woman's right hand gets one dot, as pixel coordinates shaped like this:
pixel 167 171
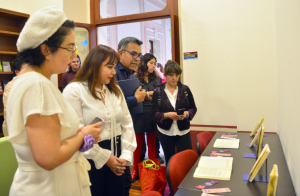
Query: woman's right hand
pixel 113 163
pixel 93 130
pixel 172 115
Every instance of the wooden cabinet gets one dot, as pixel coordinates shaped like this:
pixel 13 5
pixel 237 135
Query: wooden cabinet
pixel 11 24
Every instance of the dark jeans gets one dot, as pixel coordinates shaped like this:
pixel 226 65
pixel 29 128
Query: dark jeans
pixel 104 181
pixel 168 144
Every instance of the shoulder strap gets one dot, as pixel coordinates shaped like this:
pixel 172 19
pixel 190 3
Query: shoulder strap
pixel 186 94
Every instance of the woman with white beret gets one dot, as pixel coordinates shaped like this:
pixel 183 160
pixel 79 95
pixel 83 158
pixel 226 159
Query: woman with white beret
pixel 43 128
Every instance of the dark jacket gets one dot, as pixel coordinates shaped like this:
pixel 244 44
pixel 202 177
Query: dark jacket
pixel 157 114
pixel 150 86
pixel 123 74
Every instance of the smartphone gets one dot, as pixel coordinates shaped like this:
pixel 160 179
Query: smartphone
pixel 96 120
pixel 180 111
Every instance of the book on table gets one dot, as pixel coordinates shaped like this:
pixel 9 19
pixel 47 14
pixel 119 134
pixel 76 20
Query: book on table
pixel 218 168
pixel 258 134
pixel 272 186
pixel 259 162
pixel 227 143
pixel 258 125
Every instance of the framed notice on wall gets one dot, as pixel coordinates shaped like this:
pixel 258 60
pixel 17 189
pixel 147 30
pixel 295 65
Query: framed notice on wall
pixel 190 55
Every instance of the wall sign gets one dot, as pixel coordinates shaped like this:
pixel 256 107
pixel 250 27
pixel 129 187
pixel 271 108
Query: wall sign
pixel 190 55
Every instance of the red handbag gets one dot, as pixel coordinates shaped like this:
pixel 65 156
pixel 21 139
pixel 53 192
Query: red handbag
pixel 152 176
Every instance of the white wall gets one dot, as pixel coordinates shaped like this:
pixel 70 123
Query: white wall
pixel 77 10
pixel 287 23
pixel 234 78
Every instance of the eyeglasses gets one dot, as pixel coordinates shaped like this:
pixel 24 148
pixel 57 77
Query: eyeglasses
pixel 134 54
pixel 73 50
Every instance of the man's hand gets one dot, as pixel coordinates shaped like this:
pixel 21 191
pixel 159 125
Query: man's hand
pixel 140 94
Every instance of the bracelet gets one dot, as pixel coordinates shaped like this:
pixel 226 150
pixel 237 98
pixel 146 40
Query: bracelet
pixel 148 94
pixel 88 142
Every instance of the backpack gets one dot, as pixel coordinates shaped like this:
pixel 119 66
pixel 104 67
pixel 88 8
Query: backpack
pixel 160 93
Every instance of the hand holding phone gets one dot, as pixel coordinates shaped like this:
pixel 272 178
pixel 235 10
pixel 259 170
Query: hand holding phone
pixel 96 120
pixel 180 111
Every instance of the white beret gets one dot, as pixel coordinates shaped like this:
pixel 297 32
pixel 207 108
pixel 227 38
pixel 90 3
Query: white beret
pixel 40 26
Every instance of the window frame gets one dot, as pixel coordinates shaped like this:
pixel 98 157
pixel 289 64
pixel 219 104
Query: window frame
pixel 170 11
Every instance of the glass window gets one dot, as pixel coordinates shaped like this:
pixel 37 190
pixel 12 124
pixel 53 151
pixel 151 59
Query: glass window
pixel 155 35
pixel 112 8
pixel 82 42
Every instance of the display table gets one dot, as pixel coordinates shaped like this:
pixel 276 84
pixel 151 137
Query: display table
pixel 243 166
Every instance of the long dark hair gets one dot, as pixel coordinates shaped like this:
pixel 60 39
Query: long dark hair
pixel 90 69
pixel 142 69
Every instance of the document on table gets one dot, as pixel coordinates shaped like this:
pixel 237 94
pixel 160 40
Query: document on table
pixel 227 143
pixel 218 168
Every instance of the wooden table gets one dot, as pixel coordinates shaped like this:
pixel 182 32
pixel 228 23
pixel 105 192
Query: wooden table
pixel 243 166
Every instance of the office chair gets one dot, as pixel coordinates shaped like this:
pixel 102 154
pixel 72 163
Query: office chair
pixel 203 140
pixel 8 166
pixel 151 193
pixel 177 169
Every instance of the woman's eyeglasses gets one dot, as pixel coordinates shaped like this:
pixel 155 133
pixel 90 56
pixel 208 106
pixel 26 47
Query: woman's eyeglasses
pixel 73 50
pixel 134 54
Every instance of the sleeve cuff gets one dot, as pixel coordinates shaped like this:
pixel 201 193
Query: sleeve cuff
pixel 127 155
pixel 99 155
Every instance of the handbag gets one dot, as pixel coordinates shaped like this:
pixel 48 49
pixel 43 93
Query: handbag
pixel 152 176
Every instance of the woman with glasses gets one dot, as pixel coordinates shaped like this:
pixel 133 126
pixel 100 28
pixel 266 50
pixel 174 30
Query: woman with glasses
pixel 70 74
pixel 92 93
pixel 173 107
pixel 43 127
pixel 142 122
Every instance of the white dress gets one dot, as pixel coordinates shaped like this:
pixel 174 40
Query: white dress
pixel 115 113
pixel 32 93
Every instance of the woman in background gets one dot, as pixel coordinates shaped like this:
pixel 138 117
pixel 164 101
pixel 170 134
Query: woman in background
pixel 43 127
pixel 159 71
pixel 169 101
pixel 94 92
pixel 142 122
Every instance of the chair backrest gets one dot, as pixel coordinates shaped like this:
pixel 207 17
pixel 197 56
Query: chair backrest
pixel 178 167
pixel 151 193
pixel 203 140
pixel 8 165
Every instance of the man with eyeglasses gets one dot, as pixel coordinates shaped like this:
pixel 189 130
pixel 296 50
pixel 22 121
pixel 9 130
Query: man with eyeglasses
pixel 70 74
pixel 129 50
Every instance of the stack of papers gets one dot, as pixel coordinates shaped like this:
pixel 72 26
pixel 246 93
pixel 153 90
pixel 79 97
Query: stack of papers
pixel 227 143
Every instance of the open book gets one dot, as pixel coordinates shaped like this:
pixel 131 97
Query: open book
pixel 261 130
pixel 261 159
pixel 261 120
pixel 218 168
pixel 227 143
pixel 273 181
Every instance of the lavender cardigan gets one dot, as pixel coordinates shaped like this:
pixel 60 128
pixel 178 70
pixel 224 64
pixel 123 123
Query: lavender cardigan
pixel 157 114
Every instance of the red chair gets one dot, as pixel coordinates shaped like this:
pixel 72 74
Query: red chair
pixel 151 193
pixel 203 140
pixel 178 167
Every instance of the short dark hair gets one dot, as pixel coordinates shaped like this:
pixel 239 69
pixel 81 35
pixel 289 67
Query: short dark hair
pixel 16 65
pixel 35 56
pixel 160 67
pixel 141 69
pixel 70 68
pixel 125 41
pixel 172 67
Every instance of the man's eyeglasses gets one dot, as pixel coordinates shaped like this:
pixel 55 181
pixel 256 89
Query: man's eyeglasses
pixel 134 54
pixel 73 50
